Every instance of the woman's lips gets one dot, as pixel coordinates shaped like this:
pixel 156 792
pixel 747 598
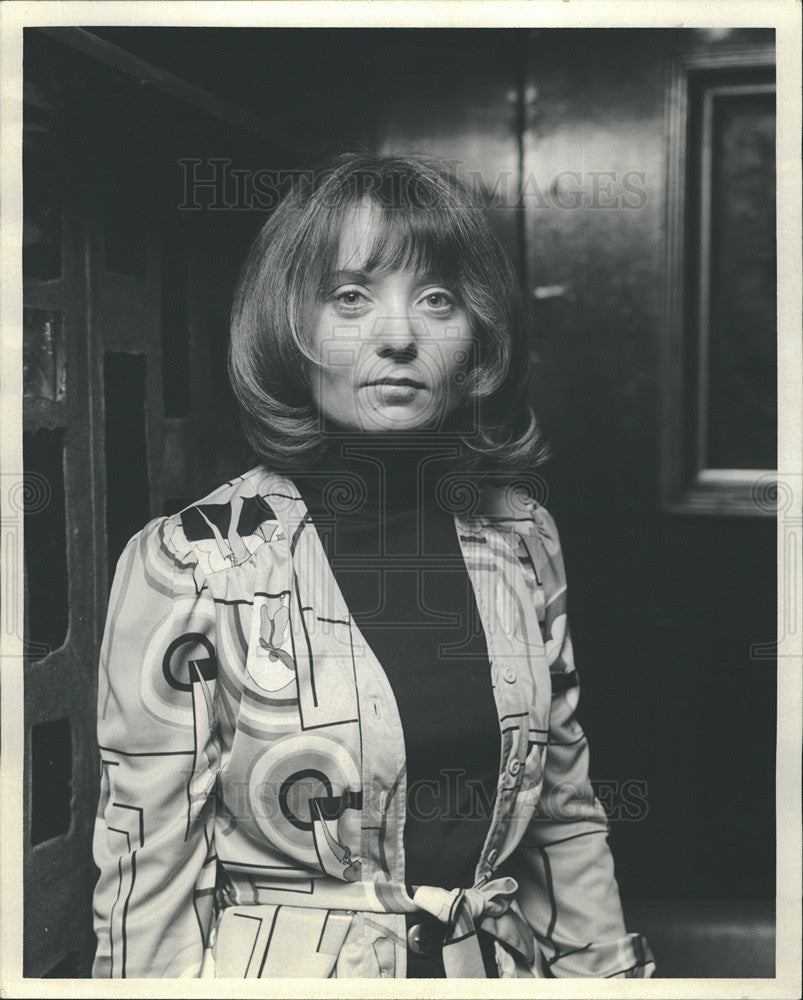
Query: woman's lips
pixel 396 392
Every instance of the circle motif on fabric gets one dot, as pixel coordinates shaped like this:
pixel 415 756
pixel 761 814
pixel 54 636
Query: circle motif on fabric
pixel 284 781
pixel 296 792
pixel 176 668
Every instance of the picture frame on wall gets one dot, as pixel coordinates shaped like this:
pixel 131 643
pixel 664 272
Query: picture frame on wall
pixel 719 408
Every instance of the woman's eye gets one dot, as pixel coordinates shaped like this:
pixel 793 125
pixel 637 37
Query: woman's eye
pixel 350 298
pixel 439 301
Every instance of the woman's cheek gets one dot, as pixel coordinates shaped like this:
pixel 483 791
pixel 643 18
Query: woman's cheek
pixel 456 359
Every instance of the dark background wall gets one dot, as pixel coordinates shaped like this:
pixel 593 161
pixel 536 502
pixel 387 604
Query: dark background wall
pixel 664 607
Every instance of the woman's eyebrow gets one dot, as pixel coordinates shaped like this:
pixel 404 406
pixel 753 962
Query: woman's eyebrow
pixel 356 277
pixel 360 277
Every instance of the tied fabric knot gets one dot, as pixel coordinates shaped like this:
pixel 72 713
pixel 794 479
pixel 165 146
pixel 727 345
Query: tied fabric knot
pixel 486 906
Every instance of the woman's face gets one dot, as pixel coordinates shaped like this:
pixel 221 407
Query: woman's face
pixel 394 346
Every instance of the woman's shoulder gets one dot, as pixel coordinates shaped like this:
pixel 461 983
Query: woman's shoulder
pixel 223 528
pixel 514 506
pixel 535 533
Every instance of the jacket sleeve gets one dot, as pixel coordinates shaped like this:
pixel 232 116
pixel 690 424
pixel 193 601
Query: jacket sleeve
pixel 568 891
pixel 153 840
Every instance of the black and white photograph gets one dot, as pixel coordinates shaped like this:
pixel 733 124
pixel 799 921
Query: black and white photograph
pixel 401 498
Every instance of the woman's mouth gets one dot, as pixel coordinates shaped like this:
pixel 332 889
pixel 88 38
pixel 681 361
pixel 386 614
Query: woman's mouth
pixel 390 380
pixel 396 391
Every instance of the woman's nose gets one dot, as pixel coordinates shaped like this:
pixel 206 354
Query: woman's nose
pixel 397 336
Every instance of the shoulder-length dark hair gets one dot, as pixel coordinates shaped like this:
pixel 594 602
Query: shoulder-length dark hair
pixel 427 218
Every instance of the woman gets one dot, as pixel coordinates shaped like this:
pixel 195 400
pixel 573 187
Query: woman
pixel 336 705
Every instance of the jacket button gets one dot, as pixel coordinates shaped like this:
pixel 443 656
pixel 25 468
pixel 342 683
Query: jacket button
pixel 509 674
pixel 414 942
pixel 426 938
pixel 514 766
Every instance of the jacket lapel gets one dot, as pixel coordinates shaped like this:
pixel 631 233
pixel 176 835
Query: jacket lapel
pixel 345 694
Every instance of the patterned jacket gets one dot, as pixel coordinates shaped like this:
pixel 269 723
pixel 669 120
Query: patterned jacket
pixel 253 787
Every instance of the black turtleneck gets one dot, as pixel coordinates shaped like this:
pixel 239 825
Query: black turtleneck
pixel 381 506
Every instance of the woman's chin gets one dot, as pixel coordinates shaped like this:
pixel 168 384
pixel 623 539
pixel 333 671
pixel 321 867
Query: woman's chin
pixel 388 417
pixel 398 418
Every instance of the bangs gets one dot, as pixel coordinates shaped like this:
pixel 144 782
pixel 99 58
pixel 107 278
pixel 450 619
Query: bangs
pixel 424 240
pixel 415 224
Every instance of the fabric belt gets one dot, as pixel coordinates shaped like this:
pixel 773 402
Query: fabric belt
pixel 460 912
